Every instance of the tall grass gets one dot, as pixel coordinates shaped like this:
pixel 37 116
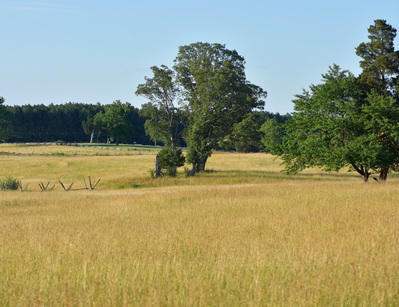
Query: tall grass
pixel 295 244
pixel 232 237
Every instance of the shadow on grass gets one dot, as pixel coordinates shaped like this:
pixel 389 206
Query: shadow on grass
pixel 282 176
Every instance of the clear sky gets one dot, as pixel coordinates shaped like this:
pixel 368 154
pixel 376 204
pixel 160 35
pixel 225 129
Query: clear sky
pixel 93 51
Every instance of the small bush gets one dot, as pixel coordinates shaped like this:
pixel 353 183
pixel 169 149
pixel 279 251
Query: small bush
pixel 170 159
pixel 9 183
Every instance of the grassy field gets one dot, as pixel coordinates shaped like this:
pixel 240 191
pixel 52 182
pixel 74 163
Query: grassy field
pixel 243 234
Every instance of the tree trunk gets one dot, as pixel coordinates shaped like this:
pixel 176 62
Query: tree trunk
pixel 199 165
pixel 383 174
pixel 92 136
pixel 192 172
pixel 363 171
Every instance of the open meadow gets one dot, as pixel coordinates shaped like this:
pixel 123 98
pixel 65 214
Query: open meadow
pixel 242 234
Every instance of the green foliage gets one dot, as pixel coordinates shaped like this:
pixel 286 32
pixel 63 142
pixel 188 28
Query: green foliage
pixel 154 130
pixel 9 183
pixel 272 136
pixel 4 122
pixel 380 60
pixel 40 123
pixel 88 126
pixel 331 129
pixel 318 131
pixel 113 124
pixel 164 123
pixel 170 171
pixel 348 121
pixel 170 159
pixel 216 95
pixel 245 136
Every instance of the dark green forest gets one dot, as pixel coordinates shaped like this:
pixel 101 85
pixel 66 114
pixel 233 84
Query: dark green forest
pixel 51 123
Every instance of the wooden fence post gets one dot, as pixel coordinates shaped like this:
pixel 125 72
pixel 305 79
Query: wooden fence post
pixel 157 166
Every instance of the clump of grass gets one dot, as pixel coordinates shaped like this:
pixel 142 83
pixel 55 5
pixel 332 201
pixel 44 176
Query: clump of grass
pixel 9 183
pixel 151 171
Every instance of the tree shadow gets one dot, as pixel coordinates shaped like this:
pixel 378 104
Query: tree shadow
pixel 318 176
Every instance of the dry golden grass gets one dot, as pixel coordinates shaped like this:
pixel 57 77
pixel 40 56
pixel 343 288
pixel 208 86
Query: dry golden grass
pixel 75 150
pixel 262 239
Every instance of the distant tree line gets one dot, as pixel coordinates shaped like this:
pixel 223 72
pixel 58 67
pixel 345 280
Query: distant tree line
pixel 117 122
pixel 51 123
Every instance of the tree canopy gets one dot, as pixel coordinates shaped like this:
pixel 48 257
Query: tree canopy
pixel 165 118
pixel 380 60
pixel 112 122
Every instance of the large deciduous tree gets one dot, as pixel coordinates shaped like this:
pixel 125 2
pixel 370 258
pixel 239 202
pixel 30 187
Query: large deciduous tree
pixel 318 132
pixel 348 121
pixel 216 95
pixel 333 127
pixel 165 118
pixel 112 122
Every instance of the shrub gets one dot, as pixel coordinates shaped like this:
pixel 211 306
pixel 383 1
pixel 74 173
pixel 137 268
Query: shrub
pixel 9 183
pixel 170 159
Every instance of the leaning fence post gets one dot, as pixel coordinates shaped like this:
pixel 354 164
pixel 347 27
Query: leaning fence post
pixel 157 166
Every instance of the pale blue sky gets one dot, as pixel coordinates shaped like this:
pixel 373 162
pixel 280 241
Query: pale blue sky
pixel 99 51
